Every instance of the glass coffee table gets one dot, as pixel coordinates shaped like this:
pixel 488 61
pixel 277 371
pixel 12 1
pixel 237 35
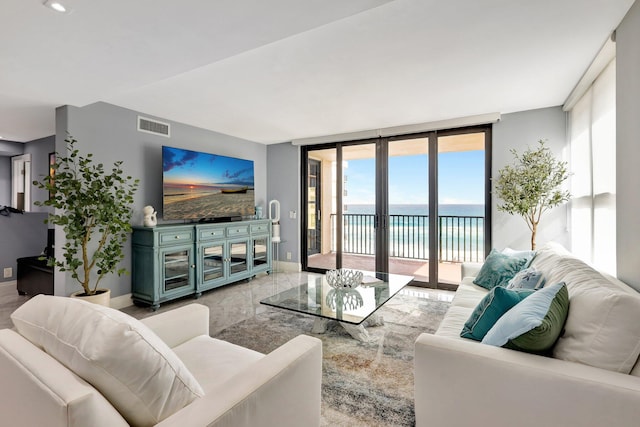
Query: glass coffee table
pixel 353 308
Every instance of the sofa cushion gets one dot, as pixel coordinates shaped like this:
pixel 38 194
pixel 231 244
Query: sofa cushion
pixel 213 361
pixel 454 321
pixel 37 390
pixel 529 278
pixel 534 324
pixel 498 269
pixel 468 294
pixel 603 328
pixel 135 370
pixel 497 302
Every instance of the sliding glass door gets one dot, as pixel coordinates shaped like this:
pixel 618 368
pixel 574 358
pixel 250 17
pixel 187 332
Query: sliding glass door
pixel 370 204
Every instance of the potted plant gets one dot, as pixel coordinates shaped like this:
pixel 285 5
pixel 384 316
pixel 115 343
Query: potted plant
pixel 532 185
pixel 93 207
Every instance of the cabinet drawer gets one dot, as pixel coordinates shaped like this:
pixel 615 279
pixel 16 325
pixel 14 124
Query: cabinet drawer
pixel 210 234
pixel 175 237
pixel 237 230
pixel 259 228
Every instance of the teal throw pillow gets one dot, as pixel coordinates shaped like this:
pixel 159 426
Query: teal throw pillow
pixel 498 269
pixel 535 323
pixel 497 302
pixel 529 278
pixel 529 255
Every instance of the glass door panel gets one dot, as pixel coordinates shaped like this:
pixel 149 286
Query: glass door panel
pixel 359 206
pixel 212 262
pixel 412 205
pixel 461 202
pixel 176 269
pixel 259 251
pixel 238 257
pixel 321 205
pixel 408 172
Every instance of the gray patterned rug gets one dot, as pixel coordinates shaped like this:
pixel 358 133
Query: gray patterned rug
pixel 367 384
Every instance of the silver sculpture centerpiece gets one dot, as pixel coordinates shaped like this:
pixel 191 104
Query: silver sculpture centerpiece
pixel 344 278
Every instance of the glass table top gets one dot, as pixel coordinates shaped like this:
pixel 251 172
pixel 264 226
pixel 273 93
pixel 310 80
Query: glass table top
pixel 318 298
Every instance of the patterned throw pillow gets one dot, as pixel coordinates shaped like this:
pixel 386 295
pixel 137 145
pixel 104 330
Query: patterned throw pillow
pixel 497 302
pixel 498 269
pixel 529 278
pixel 535 323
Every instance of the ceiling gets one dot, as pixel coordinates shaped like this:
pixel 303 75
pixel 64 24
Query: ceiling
pixel 275 70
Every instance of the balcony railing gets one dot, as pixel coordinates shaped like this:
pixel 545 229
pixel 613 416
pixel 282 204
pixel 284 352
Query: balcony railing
pixel 460 238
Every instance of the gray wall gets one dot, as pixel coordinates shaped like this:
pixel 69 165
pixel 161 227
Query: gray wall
pixel 22 235
pixel 26 234
pixel 628 147
pixel 110 133
pixel 283 184
pixel 519 131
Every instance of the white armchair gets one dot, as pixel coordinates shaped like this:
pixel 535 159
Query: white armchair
pixel 241 387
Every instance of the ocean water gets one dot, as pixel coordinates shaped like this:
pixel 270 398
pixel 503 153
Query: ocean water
pixel 460 231
pixel 451 209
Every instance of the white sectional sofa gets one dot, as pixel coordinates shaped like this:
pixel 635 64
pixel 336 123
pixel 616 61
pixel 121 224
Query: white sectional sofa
pixel 167 372
pixel 592 377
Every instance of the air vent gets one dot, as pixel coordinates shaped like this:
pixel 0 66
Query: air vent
pixel 153 126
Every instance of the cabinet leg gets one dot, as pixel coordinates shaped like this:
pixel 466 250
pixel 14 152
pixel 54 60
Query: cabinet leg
pixel 198 295
pixel 22 293
pixel 154 307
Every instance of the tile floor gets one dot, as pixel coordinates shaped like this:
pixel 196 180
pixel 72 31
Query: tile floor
pixel 228 305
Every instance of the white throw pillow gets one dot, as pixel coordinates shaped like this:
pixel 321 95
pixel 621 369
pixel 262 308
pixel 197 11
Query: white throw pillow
pixel 117 354
pixel 602 329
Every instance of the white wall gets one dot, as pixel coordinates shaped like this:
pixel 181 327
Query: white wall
pixel 110 133
pixel 628 147
pixel 519 131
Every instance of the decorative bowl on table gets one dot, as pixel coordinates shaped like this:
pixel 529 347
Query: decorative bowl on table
pixel 344 278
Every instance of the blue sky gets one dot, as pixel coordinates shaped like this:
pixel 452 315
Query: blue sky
pixel 461 179
pixel 192 167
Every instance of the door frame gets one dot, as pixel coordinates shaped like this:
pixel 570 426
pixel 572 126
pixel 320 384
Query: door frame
pixel 382 199
pixel 318 211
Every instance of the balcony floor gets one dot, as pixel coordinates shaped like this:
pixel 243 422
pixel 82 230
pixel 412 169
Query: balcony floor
pixel 448 272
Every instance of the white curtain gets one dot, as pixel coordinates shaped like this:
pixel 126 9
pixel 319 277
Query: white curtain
pixel 593 167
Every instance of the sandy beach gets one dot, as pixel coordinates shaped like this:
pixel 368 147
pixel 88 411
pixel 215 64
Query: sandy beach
pixel 213 205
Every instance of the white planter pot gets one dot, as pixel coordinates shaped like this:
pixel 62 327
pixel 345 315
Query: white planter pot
pixel 102 297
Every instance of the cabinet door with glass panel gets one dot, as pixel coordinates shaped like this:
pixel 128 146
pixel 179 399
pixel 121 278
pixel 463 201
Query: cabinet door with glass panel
pixel 211 265
pixel 260 254
pixel 177 269
pixel 238 257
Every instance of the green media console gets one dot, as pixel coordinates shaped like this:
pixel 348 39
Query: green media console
pixel 173 261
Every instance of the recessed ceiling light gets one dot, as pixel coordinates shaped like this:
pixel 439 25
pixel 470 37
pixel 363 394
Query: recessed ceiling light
pixel 57 6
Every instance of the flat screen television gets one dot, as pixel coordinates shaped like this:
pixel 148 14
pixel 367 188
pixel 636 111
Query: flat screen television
pixel 203 186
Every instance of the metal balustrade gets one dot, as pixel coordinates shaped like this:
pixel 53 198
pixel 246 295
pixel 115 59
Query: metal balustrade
pixel 460 238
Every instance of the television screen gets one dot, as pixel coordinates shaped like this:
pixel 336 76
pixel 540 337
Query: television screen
pixel 199 185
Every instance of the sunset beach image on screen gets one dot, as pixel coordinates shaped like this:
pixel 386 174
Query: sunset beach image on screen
pixel 199 185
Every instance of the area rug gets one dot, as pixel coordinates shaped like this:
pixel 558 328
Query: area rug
pixel 367 384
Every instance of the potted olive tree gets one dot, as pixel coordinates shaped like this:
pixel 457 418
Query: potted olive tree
pixel 532 185
pixel 93 207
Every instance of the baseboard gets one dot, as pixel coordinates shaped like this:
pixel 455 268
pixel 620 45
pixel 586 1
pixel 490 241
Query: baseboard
pixel 121 301
pixel 286 267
